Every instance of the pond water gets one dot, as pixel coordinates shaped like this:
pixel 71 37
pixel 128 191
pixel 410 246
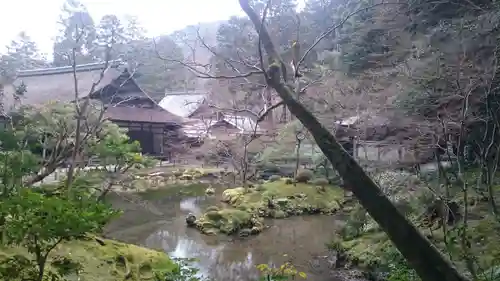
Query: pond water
pixel 157 220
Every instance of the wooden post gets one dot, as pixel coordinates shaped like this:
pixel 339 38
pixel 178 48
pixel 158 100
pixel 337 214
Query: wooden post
pixel 354 148
pixel 378 152
pixel 400 153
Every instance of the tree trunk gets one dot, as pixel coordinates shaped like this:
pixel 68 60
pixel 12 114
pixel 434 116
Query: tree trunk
pixel 421 254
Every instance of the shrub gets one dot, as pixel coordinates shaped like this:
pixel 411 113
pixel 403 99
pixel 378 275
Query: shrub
pixel 40 222
pixel 213 215
pixel 288 181
pixel 320 181
pixel 274 178
pixel 304 176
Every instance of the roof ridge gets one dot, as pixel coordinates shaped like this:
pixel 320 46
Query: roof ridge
pixel 68 69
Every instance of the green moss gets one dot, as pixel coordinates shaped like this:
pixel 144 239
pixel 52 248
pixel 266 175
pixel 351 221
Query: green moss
pixel 370 247
pixel 195 173
pixel 232 196
pixel 246 207
pixel 174 189
pixel 366 249
pixel 278 199
pixel 227 221
pixel 145 181
pixel 112 261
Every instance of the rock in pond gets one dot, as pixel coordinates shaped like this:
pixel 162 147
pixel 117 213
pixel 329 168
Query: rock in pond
pixel 232 195
pixel 282 201
pixel 186 177
pixel 210 191
pixel 190 219
pixel 255 230
pixel 245 232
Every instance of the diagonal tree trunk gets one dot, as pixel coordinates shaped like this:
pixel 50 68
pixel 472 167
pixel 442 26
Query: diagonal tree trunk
pixel 426 259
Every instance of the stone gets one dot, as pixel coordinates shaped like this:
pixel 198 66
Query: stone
pixel 155 174
pixel 232 195
pixel 209 231
pixel 191 219
pixel 245 232
pixel 210 191
pixel 282 201
pixel 255 230
pixel 300 195
pixel 186 177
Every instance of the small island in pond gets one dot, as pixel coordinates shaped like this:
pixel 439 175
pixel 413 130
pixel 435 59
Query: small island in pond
pixel 243 209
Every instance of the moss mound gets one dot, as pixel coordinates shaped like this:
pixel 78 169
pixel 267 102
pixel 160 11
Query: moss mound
pixel 370 249
pixel 279 199
pixel 362 243
pixel 105 261
pixel 245 208
pixel 229 221
pixel 153 180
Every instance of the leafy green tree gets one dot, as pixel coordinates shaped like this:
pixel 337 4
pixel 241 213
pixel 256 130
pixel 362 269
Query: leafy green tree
pixel 39 222
pixel 52 132
pixel 39 219
pixel 49 135
pixel 118 157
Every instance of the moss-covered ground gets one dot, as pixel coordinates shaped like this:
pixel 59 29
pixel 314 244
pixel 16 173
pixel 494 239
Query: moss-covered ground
pixel 364 244
pixel 243 209
pixel 108 261
pixel 165 180
pixel 279 199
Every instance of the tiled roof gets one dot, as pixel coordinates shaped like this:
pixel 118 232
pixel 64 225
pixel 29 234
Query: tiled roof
pixel 58 85
pixel 140 114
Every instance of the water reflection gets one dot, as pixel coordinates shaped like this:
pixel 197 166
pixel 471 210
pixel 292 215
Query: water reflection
pixel 230 258
pixel 192 204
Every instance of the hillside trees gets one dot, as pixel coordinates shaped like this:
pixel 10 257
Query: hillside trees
pixel 22 53
pixel 114 35
pixel 457 92
pixel 157 75
pixel 422 255
pixel 125 39
pixel 114 38
pixel 78 33
pixel 234 52
pixel 439 61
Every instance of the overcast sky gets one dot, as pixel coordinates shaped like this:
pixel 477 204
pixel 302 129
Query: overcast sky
pixel 39 17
